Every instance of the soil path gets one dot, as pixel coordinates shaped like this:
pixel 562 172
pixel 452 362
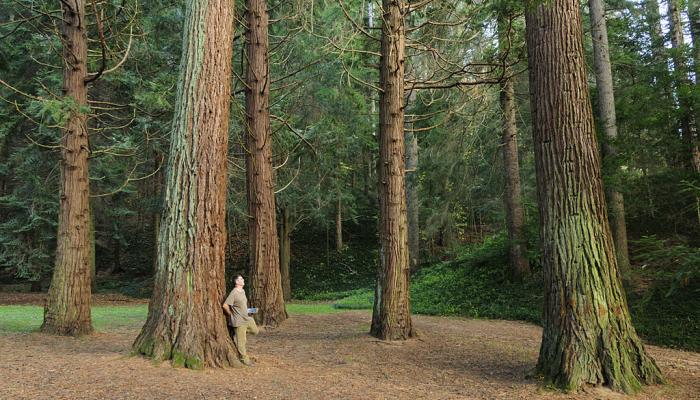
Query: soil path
pixel 326 356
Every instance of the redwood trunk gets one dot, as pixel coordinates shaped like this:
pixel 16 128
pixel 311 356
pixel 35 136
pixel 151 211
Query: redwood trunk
pixel 285 254
pixel 185 321
pixel 515 217
pixel 588 337
pixel 67 309
pixel 266 283
pixel 608 121
pixel 391 319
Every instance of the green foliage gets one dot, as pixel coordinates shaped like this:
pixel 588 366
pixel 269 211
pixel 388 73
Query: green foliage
pixel 318 275
pixel 667 262
pixel 475 285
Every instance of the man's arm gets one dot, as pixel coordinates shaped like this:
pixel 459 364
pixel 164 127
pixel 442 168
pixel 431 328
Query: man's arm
pixel 227 309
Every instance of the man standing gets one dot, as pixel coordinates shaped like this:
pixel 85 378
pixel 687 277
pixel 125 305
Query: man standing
pixel 236 308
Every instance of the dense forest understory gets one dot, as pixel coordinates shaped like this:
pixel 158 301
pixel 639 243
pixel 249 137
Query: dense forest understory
pixel 510 160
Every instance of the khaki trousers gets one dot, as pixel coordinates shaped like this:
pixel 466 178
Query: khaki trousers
pixel 240 337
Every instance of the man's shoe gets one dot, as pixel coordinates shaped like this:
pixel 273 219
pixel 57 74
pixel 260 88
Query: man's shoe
pixel 247 363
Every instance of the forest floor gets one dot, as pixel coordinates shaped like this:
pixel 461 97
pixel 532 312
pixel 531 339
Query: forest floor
pixel 317 355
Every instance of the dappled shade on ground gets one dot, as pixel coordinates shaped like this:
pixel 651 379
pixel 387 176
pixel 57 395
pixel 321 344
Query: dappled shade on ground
pixel 314 356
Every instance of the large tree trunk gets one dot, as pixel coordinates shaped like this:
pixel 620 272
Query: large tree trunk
pixel 588 337
pixel 185 321
pixel 266 283
pixel 391 318
pixel 285 254
pixel 412 204
pixel 608 120
pixel 515 217
pixel 67 309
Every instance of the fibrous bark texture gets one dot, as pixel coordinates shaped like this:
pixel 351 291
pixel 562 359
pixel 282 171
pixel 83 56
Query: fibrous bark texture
pixel 185 321
pixel 588 337
pixel 266 283
pixel 67 309
pixel 391 318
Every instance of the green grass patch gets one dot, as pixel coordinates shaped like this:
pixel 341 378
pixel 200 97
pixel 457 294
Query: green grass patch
pixel 104 318
pixel 17 319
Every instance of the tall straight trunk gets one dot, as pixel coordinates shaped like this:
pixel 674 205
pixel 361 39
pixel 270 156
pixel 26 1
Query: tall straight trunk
pixel 608 121
pixel 339 224
pixel 266 283
pixel 588 337
pixel 93 264
pixel 515 216
pixel 682 85
pixel 285 254
pixel 67 309
pixel 185 321
pixel 412 204
pixel 391 318
pixel 157 193
pixel 694 17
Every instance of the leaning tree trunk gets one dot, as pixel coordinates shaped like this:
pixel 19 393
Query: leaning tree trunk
pixel 608 120
pixel 266 283
pixel 515 217
pixel 285 254
pixel 391 319
pixel 67 309
pixel 588 337
pixel 185 321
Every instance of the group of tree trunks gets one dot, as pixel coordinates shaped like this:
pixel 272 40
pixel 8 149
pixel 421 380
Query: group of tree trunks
pixel 588 337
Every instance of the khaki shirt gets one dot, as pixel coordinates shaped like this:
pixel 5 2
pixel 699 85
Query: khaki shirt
pixel 239 307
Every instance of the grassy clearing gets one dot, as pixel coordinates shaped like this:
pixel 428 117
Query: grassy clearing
pixel 23 319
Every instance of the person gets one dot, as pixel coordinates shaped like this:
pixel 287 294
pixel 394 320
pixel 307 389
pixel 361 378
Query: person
pixel 236 308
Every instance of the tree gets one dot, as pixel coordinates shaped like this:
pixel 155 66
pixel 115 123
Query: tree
pixel 588 337
pixel 608 120
pixel 391 318
pixel 285 253
pixel 67 309
pixel 185 321
pixel 683 86
pixel 412 203
pixel 266 284
pixel 515 216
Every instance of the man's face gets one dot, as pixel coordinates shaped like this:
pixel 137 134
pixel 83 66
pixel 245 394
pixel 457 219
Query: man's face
pixel 240 282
